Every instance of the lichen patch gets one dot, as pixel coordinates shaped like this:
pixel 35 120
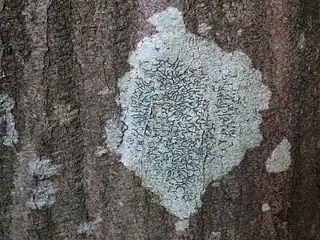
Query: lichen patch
pixel 85 228
pixel 204 28
pixel 280 159
pixel 265 207
pixel 64 113
pixel 191 111
pixel 7 121
pixel 43 193
pixel 182 225
pixel 112 136
pixel 42 168
pixel 215 236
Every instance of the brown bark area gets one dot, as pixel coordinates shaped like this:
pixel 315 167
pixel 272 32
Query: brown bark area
pixel 55 58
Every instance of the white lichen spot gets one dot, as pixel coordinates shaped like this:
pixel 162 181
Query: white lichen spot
pixel 215 236
pixel 112 135
pixel 10 137
pixel 182 225
pixel 204 28
pixel 191 111
pixel 42 168
pixel 105 92
pixel 302 41
pixel 101 151
pixel 280 158
pixel 2 75
pixel 215 184
pixel 43 194
pixel 1 4
pixel 85 228
pixel 265 207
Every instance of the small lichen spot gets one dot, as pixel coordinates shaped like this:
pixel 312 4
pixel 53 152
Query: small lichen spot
pixel 182 225
pixel 215 184
pixel 280 158
pixel 10 137
pixel 191 112
pixel 204 28
pixel 43 194
pixel 64 113
pixel 215 236
pixel 42 168
pixel 112 135
pixel 105 92
pixel 101 151
pixel 302 41
pixel 265 207
pixel 85 228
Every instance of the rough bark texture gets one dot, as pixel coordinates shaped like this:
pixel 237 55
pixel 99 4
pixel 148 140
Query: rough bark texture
pixel 55 58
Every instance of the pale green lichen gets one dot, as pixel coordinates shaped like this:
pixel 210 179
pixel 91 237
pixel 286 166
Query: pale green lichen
pixel 64 113
pixel 191 111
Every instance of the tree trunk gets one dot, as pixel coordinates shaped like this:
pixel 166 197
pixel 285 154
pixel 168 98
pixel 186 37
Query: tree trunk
pixel 159 119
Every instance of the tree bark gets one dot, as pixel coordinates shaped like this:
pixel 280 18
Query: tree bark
pixel 60 68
